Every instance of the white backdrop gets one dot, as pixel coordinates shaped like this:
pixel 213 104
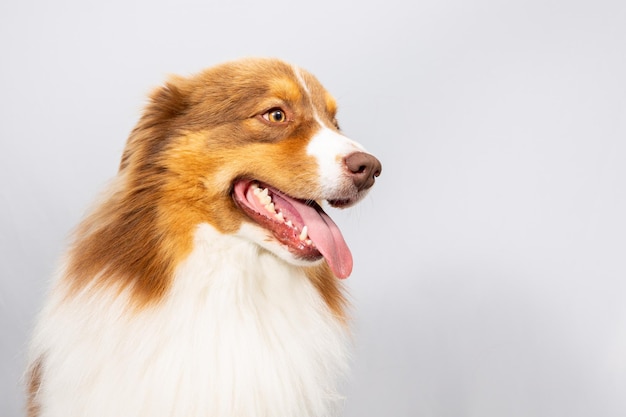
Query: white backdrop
pixel 490 275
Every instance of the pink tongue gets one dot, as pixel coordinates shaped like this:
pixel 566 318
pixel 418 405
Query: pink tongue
pixel 327 238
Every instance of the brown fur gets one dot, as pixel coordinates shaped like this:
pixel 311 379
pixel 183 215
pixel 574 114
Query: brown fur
pixel 34 382
pixel 196 137
pixel 331 289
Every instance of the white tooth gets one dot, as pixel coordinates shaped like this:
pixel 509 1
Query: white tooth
pixel 289 223
pixel 279 216
pixel 270 207
pixel 265 199
pixel 256 190
pixel 305 232
pixel 308 242
pixel 263 196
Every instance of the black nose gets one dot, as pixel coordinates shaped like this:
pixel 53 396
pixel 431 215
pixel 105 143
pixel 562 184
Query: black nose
pixel 363 168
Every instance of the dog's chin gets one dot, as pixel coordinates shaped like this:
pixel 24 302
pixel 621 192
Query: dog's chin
pixel 341 203
pixel 297 230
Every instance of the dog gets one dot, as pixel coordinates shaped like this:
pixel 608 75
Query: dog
pixel 206 279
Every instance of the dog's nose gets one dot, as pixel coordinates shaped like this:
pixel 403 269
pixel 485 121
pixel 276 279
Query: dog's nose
pixel 363 168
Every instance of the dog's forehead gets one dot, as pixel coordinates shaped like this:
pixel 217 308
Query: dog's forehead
pixel 296 85
pixel 286 88
pixel 241 89
pixel 316 92
pixel 272 75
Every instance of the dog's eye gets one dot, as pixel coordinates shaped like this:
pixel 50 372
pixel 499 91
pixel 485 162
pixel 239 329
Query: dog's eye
pixel 275 116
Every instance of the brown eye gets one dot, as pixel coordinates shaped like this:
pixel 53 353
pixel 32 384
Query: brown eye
pixel 275 116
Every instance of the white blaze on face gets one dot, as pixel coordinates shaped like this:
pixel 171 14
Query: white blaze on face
pixel 329 149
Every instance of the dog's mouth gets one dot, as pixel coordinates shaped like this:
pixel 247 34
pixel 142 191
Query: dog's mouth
pixel 301 225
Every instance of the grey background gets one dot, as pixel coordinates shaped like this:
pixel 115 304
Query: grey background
pixel 490 269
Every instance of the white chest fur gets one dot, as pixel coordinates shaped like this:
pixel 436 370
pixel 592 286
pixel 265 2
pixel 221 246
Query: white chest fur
pixel 241 333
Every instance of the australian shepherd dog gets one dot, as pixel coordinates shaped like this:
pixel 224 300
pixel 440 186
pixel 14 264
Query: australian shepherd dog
pixel 205 280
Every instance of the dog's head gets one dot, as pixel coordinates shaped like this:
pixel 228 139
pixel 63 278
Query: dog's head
pixel 251 147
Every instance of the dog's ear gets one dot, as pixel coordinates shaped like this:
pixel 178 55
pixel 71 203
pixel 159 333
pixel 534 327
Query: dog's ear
pixel 167 102
pixel 166 105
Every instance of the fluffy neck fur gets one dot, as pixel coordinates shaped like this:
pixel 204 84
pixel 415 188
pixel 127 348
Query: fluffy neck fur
pixel 240 333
